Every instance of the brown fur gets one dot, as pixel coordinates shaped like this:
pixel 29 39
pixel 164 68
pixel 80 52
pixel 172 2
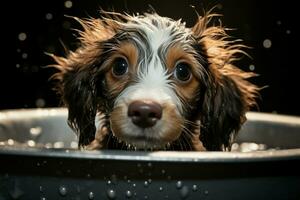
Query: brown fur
pixel 219 100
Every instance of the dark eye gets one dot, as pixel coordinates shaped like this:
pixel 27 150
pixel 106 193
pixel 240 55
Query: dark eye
pixel 120 67
pixel 182 72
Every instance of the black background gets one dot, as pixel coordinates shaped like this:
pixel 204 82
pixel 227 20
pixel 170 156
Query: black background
pixel 24 80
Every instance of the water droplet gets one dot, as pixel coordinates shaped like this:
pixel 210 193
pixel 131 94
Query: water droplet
pixel 134 185
pixel 10 142
pixel 35 131
pixel 31 143
pixel 149 180
pixel 43 198
pixel 145 197
pixel 149 165
pixel 48 145
pixel 22 36
pixel 195 188
pixel 40 103
pixel 74 145
pixel 146 184
pixel 58 145
pixel 111 194
pixel 288 32
pixel 128 194
pixel 252 67
pixel 114 179
pixel 161 189
pixel 34 68
pixel 49 16
pixel 91 195
pixel 24 55
pixel 206 192
pixel 88 175
pixel 62 190
pixel 78 189
pixel 184 192
pixel 163 171
pixel 38 164
pixel 179 184
pixel 66 25
pixel 267 43
pixel 68 4
pixel 108 182
pixel 278 22
pixel 18 65
pixel 41 189
pixel 219 6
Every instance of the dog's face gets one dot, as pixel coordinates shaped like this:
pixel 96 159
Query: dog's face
pixel 153 75
pixel 155 80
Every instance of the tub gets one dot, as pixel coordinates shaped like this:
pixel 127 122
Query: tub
pixel 39 160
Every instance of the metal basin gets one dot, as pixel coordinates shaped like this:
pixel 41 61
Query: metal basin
pixel 39 160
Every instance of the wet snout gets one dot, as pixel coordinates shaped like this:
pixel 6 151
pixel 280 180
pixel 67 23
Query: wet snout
pixel 144 114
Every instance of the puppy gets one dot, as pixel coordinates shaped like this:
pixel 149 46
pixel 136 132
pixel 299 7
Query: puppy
pixel 150 82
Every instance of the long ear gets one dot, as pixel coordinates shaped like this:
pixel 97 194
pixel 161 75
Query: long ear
pixel 81 78
pixel 78 91
pixel 226 100
pixel 227 94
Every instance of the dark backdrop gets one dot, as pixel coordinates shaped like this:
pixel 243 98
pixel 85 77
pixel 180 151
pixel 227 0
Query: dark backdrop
pixel 31 28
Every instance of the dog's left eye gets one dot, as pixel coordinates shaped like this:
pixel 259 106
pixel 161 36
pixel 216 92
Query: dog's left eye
pixel 182 72
pixel 120 67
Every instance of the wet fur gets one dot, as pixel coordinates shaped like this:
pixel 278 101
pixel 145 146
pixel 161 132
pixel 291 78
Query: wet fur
pixel 215 114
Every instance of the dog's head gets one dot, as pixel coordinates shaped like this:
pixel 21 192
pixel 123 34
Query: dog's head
pixel 156 81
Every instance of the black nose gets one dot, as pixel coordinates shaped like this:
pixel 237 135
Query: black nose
pixel 144 114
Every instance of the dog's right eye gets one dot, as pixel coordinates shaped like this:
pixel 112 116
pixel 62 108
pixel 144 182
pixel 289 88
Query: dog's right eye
pixel 120 67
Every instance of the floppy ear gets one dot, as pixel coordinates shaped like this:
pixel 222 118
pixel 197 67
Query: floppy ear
pixel 79 93
pixel 225 103
pixel 226 94
pixel 81 79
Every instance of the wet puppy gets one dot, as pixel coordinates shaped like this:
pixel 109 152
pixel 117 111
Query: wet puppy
pixel 150 82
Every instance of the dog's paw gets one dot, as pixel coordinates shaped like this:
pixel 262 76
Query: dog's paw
pixel 196 142
pixel 97 143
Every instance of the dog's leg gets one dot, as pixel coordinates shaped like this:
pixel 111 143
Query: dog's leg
pixel 100 136
pixel 97 143
pixel 196 142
